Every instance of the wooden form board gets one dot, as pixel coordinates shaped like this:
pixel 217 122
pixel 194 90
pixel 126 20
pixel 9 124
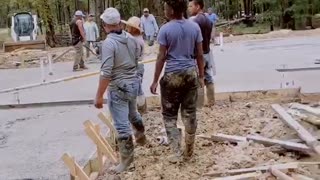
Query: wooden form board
pixel 113 132
pixel 75 170
pixel 302 132
pixel 308 109
pixel 11 46
pixel 246 176
pixel 102 145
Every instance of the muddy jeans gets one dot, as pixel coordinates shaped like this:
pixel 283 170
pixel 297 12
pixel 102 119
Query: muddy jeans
pixel 179 89
pixel 140 75
pixel 122 105
pixel 78 59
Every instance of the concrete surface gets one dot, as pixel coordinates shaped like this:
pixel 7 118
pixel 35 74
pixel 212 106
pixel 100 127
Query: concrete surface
pixel 33 140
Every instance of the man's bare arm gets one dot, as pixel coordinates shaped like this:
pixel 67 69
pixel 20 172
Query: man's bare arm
pixel 161 59
pixel 103 85
pixel 81 29
pixel 200 60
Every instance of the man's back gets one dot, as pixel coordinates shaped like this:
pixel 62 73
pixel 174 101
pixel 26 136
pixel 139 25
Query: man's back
pixel 206 29
pixel 180 37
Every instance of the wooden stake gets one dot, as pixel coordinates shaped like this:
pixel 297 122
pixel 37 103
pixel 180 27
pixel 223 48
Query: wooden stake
pixel 74 168
pixel 229 138
pixel 107 121
pixel 302 132
pixel 280 175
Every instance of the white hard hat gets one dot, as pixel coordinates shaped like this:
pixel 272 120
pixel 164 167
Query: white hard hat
pixel 79 13
pixel 111 16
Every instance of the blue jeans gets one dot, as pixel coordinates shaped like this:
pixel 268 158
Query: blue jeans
pixel 123 109
pixel 209 68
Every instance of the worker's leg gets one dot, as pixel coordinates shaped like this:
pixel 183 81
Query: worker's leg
pixel 213 34
pixel 150 40
pixel 188 111
pixel 81 64
pixel 77 57
pixel 134 116
pixel 141 99
pixel 170 100
pixel 209 81
pixel 87 50
pixel 119 110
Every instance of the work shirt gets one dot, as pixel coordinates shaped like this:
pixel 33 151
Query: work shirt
pixel 206 29
pixel 149 25
pixel 180 37
pixel 92 31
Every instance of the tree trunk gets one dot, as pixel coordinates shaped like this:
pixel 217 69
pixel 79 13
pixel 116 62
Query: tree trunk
pixel 47 16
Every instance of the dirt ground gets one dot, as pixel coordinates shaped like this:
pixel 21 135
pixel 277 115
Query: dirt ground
pixel 30 58
pixel 229 118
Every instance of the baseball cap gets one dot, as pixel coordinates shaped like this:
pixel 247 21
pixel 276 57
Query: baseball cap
pixel 111 16
pixel 145 10
pixel 79 13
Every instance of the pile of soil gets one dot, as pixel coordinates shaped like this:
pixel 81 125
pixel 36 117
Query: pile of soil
pixel 31 58
pixel 229 118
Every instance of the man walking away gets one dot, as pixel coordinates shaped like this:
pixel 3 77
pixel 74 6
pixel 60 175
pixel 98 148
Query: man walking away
pixel 196 10
pixel 92 33
pixel 213 17
pixel 133 26
pixel 181 48
pixel 119 75
pixel 149 26
pixel 78 38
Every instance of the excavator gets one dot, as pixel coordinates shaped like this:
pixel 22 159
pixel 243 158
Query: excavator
pixel 24 32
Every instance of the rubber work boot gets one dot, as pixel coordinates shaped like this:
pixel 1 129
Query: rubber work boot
pixel 139 135
pixel 200 100
pixel 189 139
pixel 142 104
pixel 126 149
pixel 174 136
pixel 210 94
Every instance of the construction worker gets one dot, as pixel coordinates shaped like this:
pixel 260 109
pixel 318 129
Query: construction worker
pixel 196 10
pixel 213 17
pixel 92 33
pixel 149 26
pixel 119 75
pixel 78 38
pixel 180 48
pixel 133 26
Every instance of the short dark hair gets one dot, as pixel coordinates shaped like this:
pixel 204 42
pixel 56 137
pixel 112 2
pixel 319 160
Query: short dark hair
pixel 179 6
pixel 199 2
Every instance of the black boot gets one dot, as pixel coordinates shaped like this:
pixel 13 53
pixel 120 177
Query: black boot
pixel 139 135
pixel 126 149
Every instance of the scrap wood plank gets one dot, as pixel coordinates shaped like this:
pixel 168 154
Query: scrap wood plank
pixel 302 132
pixel 285 144
pixel 75 169
pixel 99 142
pixel 311 110
pixel 245 176
pixel 280 175
pixel 231 138
pixel 293 165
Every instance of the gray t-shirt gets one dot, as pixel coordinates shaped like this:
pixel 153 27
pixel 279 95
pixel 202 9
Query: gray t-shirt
pixel 180 37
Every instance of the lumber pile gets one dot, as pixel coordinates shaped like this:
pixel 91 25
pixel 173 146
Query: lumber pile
pixel 106 150
pixel 307 144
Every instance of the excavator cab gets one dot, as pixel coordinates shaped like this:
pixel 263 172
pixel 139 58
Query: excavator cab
pixel 24 27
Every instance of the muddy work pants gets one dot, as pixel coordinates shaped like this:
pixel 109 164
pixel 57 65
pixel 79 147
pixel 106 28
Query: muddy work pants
pixel 179 90
pixel 78 59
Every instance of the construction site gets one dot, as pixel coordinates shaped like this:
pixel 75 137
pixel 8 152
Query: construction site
pixel 264 125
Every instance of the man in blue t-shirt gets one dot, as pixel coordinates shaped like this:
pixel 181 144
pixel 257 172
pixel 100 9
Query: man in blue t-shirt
pixel 181 49
pixel 213 17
